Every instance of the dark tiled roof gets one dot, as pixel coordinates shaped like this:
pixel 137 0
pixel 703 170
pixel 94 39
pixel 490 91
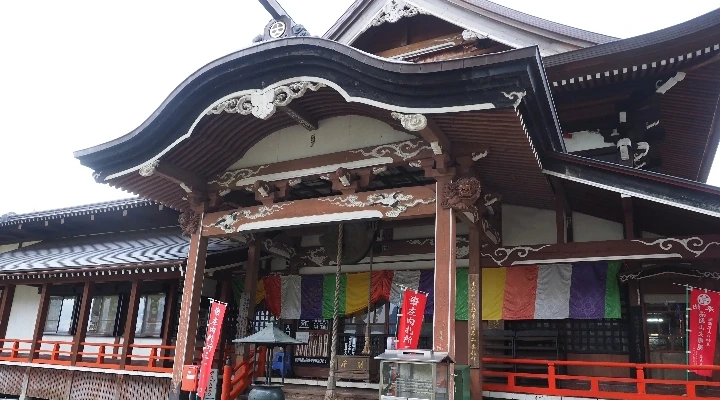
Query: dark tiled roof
pixel 691 28
pixel 114 205
pixel 541 23
pixel 115 249
pixel 359 6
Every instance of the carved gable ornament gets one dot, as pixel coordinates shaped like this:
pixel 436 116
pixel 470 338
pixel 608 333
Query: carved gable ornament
pixel 263 103
pixel 396 10
pixel 462 194
pixel 189 222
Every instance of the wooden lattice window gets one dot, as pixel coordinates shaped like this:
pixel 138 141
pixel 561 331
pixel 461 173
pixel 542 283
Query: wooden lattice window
pixel 596 336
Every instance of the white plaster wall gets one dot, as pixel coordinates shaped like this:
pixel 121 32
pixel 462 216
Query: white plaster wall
pixel 333 135
pixel 23 313
pixel 525 225
pixel 8 247
pixel 585 140
pixel 587 229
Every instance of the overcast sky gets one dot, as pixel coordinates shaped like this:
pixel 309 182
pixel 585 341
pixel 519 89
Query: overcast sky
pixel 76 73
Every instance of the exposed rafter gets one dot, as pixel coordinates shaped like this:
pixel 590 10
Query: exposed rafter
pixel 187 180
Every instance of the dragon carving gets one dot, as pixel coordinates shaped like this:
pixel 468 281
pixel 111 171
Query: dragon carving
pixel 461 194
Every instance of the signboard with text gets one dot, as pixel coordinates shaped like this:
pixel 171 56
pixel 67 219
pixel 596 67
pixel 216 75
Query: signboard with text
pixel 214 326
pixel 704 307
pixel 413 310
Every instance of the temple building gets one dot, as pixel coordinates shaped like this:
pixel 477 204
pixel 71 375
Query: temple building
pixel 545 186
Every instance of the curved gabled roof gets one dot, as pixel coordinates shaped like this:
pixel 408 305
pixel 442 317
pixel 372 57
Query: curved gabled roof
pixel 541 23
pixel 113 205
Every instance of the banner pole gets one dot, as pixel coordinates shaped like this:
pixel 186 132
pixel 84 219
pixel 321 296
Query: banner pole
pixel 687 331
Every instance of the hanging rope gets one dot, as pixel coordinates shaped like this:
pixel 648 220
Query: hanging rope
pixel 330 392
pixel 366 350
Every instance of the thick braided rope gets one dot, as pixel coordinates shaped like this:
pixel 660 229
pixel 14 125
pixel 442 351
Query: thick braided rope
pixel 330 393
pixel 366 350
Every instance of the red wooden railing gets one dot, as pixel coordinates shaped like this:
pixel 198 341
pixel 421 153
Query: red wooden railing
pixel 238 378
pixel 552 383
pixel 95 355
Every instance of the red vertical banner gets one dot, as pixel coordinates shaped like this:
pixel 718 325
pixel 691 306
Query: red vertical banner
pixel 413 312
pixel 215 320
pixel 704 307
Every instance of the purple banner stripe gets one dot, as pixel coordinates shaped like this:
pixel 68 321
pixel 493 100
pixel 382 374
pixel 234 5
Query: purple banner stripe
pixel 587 290
pixel 311 297
pixel 427 285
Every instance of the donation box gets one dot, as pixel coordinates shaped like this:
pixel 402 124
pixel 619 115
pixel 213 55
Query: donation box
pixel 414 374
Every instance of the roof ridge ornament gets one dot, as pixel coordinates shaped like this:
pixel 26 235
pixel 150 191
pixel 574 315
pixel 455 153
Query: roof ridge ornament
pixel 263 103
pixel 148 169
pixel 395 10
pixel 411 122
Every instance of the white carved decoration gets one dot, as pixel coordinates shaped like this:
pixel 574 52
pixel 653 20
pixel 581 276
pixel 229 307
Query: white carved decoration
pixel 415 164
pixel 694 244
pixel 224 192
pixel 421 242
pixel 228 178
pixel 396 202
pixel 263 104
pixel 185 187
pixel 639 157
pixel 226 222
pixel 624 147
pixel 652 125
pixel 149 168
pixel 477 156
pixel 470 35
pixel 378 170
pixel 411 122
pixel 436 148
pixel 294 182
pixel 317 256
pixel 394 11
pixel 404 150
pixel 710 274
pixel 518 96
pixel 501 254
pixel 462 251
pixel 490 232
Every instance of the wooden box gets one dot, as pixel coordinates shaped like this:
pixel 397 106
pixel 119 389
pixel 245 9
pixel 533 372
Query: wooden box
pixel 360 368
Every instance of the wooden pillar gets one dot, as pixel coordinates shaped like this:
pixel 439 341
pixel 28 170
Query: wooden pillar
pixel 82 324
pixel 445 269
pixel 130 324
pixel 475 314
pixel 563 212
pixel 224 295
pixel 8 294
pixel 40 320
pixel 247 314
pixel 189 308
pixel 169 316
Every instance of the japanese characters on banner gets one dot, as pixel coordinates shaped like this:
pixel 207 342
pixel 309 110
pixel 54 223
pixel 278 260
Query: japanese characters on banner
pixel 413 310
pixel 704 307
pixel 214 326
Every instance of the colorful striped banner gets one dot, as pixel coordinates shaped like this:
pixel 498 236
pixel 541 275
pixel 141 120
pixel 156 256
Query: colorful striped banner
pixel 560 291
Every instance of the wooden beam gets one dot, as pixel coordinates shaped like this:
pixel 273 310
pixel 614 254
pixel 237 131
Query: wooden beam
pixel 82 324
pixel 398 153
pixel 434 135
pixel 40 320
pixel 187 179
pixel 475 314
pixel 445 271
pixel 8 295
pixel 563 211
pixel 689 248
pixel 189 309
pixel 130 323
pixel 440 43
pixel 300 115
pixel 246 311
pixel 169 316
pixel 412 202
pixel 629 218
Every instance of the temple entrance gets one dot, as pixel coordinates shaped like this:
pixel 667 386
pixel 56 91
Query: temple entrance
pixel 667 333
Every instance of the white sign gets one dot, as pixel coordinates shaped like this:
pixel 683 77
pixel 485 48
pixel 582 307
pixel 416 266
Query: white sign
pixel 212 385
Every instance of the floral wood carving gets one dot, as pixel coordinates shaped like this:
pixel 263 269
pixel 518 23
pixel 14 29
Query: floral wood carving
pixel 394 11
pixel 189 222
pixel 149 168
pixel 396 202
pixel 518 96
pixel 694 245
pixel 227 222
pixel 461 194
pixel 228 178
pixel 404 150
pixel 411 122
pixel 501 254
pixel 263 104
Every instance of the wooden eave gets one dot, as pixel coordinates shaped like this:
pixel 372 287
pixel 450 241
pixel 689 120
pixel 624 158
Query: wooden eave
pixel 217 141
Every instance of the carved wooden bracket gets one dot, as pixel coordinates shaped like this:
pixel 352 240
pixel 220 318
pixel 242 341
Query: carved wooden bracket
pixel 461 194
pixel 189 222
